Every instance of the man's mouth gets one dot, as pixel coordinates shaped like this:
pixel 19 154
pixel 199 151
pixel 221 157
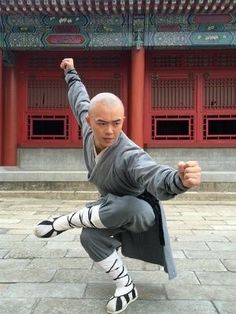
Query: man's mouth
pixel 108 139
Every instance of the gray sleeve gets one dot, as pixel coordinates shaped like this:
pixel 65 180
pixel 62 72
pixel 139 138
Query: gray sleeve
pixel 161 181
pixel 78 98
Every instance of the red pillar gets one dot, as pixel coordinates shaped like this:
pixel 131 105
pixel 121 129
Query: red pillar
pixel 1 108
pixel 137 95
pixel 10 118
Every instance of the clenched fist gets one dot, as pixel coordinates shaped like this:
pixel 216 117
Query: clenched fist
pixel 67 64
pixel 189 173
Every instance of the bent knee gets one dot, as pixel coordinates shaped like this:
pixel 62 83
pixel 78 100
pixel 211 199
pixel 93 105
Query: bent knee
pixel 142 216
pixel 86 237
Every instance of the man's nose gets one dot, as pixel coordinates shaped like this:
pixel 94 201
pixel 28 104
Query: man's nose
pixel 109 129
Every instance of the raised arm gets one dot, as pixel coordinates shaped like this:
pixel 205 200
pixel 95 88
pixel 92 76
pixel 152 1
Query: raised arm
pixel 77 93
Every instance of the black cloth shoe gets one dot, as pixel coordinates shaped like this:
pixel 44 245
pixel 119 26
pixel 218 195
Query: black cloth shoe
pixel 45 229
pixel 118 304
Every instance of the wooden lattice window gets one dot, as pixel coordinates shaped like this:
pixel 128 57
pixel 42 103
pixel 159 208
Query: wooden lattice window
pixel 95 86
pixel 91 61
pixel 165 61
pixel 220 93
pixel 168 127
pixel 48 127
pixel 172 94
pixel 219 127
pixel 47 94
pixel 190 60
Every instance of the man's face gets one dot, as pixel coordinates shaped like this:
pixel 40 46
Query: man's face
pixel 106 123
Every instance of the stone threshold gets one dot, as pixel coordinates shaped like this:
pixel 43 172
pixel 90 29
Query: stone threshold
pixel 8 174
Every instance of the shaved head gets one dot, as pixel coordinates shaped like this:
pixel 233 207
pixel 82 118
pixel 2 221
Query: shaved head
pixel 105 117
pixel 108 100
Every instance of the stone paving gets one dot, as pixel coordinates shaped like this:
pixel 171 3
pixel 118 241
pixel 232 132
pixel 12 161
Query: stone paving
pixel 57 277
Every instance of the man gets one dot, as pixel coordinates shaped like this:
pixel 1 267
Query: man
pixel 131 184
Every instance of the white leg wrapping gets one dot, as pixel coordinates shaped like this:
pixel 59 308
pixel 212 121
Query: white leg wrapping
pixel 125 292
pixel 85 217
pixel 113 265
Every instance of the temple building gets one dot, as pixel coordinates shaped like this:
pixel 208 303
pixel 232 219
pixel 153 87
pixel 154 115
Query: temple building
pixel 172 62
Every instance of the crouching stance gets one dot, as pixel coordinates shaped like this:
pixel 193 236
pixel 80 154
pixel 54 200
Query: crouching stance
pixel 100 223
pixel 131 184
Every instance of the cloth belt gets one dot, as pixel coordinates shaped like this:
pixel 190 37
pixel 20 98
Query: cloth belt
pixel 150 199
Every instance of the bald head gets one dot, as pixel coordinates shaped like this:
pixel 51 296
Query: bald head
pixel 108 100
pixel 106 118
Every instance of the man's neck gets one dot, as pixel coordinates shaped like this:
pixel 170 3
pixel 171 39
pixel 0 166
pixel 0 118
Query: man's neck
pixel 98 149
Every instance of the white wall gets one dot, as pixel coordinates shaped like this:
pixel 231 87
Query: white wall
pixel 211 159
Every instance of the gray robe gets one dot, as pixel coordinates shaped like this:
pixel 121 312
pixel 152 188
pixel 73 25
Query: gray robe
pixel 126 169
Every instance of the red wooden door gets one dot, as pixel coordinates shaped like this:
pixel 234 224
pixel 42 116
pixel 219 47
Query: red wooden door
pixel 45 118
pixel 190 99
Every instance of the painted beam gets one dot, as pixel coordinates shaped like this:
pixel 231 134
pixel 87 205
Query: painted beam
pixel 116 31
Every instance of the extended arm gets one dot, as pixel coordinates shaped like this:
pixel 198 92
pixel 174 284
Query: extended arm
pixel 162 181
pixel 77 93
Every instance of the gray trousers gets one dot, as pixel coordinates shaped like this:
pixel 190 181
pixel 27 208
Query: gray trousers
pixel 117 214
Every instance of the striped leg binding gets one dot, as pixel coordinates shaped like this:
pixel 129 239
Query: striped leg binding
pixel 125 292
pixel 85 217
pixel 118 304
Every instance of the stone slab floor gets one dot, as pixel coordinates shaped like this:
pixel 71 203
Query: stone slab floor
pixel 57 277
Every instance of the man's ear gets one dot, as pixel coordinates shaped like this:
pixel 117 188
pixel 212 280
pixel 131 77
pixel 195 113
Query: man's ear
pixel 88 120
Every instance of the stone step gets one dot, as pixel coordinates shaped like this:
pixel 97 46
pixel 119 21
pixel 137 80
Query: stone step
pixel 90 195
pixel 47 186
pixel 50 194
pixel 83 185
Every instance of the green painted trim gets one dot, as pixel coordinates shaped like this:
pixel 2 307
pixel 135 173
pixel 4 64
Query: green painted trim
pixel 119 31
